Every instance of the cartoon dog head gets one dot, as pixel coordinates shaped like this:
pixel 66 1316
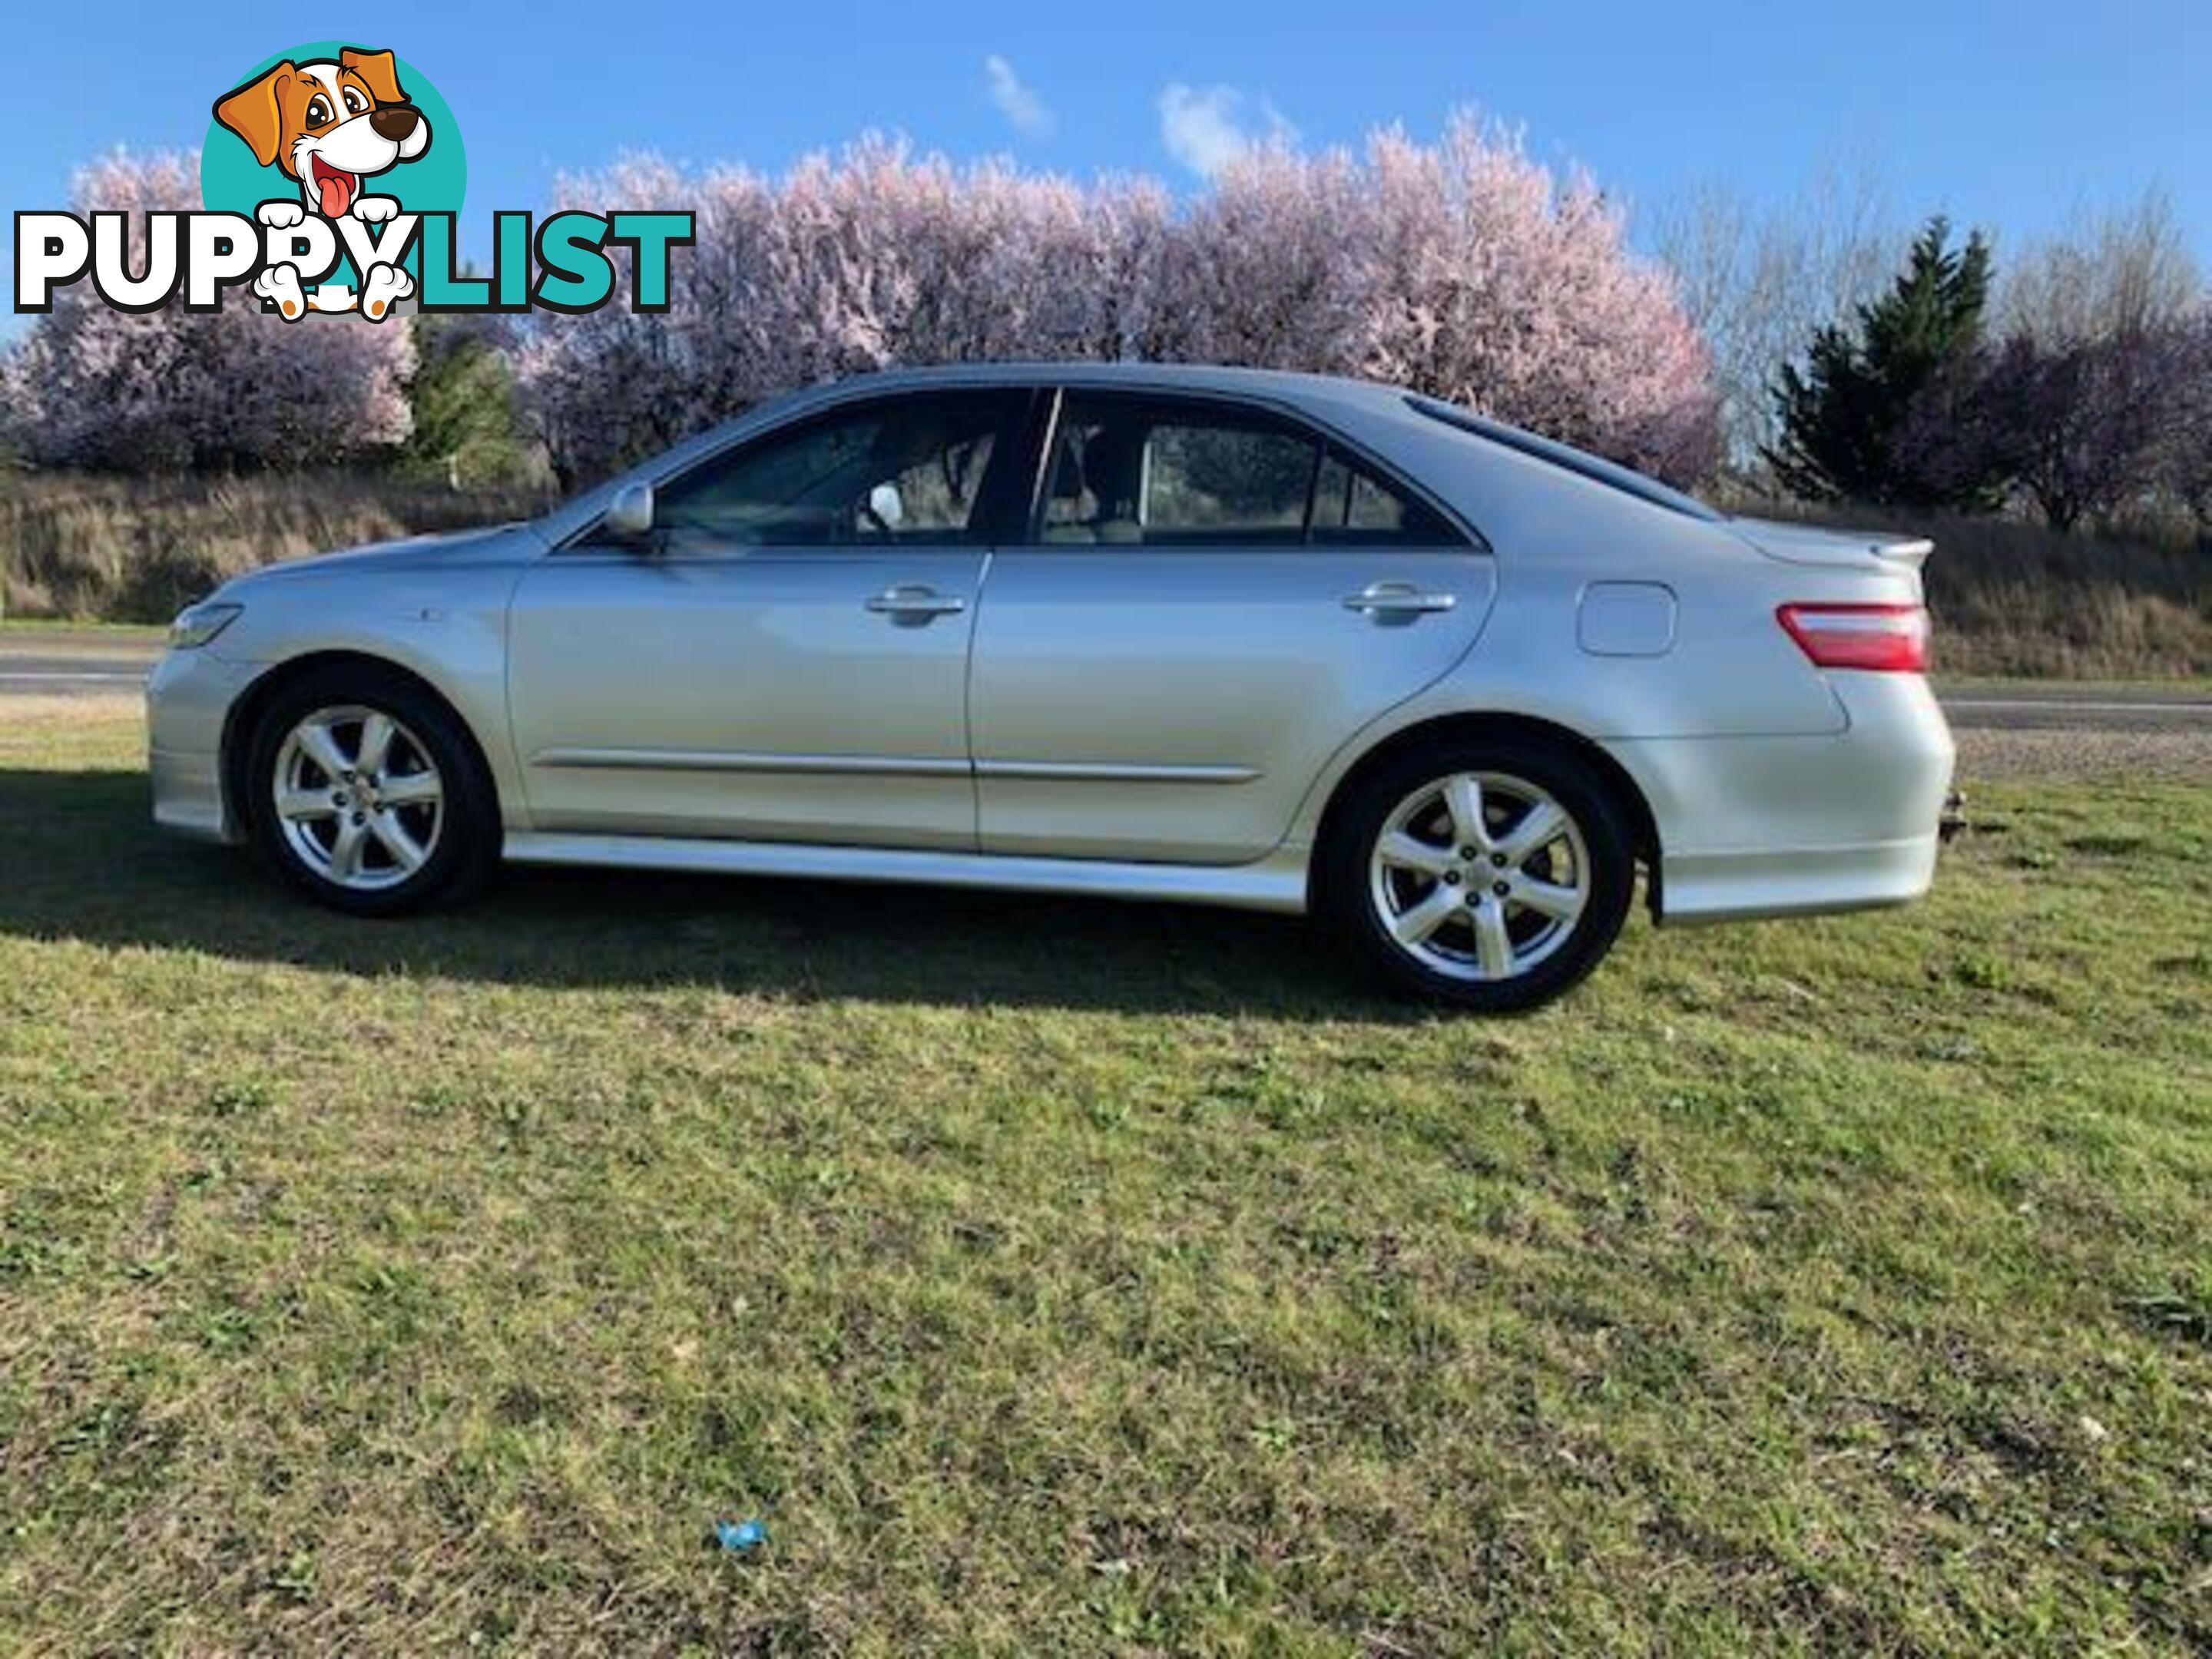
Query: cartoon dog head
pixel 328 124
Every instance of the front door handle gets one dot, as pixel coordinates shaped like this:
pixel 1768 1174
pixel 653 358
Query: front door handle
pixel 1385 600
pixel 910 604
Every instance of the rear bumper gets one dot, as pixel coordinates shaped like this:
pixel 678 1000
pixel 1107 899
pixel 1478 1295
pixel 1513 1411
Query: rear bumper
pixel 1753 827
pixel 1801 881
pixel 188 700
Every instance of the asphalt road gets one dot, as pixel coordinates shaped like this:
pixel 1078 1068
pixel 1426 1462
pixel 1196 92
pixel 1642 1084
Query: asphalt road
pixel 2055 709
pixel 48 661
pixel 57 661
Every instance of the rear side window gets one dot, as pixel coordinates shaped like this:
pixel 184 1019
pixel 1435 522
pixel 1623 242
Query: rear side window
pixel 1218 480
pixel 1352 505
pixel 1139 471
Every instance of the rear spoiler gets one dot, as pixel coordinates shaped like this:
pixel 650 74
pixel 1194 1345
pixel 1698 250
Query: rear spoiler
pixel 1805 543
pixel 1913 551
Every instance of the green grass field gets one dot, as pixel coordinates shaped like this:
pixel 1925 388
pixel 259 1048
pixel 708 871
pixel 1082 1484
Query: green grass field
pixel 1056 1277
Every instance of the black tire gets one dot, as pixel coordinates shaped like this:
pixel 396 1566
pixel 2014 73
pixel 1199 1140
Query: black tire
pixel 1598 861
pixel 463 849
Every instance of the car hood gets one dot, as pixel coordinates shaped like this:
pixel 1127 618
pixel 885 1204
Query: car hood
pixel 484 541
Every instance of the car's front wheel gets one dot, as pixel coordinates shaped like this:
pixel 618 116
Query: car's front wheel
pixel 1490 874
pixel 364 792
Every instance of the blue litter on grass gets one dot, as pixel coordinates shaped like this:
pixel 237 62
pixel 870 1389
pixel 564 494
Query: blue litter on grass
pixel 740 1534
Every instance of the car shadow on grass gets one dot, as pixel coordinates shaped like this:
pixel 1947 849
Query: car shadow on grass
pixel 86 863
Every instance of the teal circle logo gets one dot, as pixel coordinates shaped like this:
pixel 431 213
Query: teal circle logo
pixel 325 124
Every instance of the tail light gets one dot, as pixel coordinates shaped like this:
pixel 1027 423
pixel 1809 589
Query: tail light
pixel 1891 639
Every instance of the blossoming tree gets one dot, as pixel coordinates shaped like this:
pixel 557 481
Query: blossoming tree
pixel 1463 268
pixel 168 389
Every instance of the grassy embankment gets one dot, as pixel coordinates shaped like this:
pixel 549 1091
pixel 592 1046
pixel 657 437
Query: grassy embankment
pixel 2016 600
pixel 136 549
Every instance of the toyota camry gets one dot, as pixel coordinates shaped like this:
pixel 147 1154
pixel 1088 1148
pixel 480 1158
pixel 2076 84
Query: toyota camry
pixel 1242 638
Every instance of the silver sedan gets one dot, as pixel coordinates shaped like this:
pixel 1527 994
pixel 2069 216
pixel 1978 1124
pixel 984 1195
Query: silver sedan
pixel 1236 637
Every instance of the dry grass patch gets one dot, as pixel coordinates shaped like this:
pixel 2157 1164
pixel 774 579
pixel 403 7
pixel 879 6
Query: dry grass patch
pixel 138 549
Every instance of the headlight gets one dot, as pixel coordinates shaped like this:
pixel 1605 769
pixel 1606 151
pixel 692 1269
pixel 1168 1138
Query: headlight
pixel 198 623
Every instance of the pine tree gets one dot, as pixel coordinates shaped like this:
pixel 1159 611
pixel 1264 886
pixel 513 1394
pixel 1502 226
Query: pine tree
pixel 1845 413
pixel 465 432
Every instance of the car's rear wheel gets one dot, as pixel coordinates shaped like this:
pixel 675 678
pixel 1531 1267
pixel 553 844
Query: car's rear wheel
pixel 364 792
pixel 1490 874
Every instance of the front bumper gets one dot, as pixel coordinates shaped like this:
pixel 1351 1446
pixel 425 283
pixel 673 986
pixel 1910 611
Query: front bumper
pixel 189 697
pixel 1751 827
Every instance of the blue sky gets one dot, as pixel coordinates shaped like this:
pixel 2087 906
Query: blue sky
pixel 2006 114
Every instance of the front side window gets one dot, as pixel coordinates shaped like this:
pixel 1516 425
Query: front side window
pixel 907 471
pixel 1168 472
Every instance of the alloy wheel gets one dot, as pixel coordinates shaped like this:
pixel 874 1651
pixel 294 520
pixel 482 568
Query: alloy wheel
pixel 1480 876
pixel 359 799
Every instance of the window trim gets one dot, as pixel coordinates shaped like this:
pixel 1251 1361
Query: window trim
pixel 1324 437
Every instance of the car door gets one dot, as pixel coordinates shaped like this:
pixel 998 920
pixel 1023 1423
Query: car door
pixel 1212 598
pixel 786 657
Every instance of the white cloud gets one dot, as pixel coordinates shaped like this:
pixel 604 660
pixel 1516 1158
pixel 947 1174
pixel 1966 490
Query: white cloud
pixel 1028 114
pixel 1206 128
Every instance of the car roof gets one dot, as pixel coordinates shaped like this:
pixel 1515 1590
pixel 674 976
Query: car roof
pixel 1283 385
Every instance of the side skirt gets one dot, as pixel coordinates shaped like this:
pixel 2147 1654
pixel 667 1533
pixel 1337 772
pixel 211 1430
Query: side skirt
pixel 1276 883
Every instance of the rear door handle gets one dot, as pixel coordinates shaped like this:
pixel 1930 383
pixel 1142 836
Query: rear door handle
pixel 911 604
pixel 1385 599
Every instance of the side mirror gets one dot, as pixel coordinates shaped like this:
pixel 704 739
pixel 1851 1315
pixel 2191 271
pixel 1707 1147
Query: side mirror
pixel 629 515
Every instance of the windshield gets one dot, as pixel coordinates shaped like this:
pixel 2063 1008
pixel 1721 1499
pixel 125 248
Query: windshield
pixel 1577 461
